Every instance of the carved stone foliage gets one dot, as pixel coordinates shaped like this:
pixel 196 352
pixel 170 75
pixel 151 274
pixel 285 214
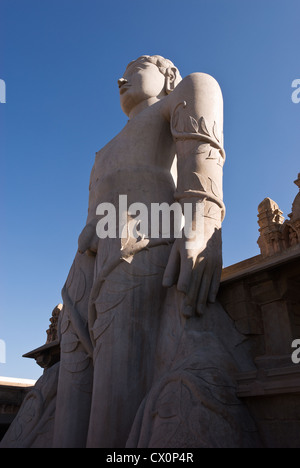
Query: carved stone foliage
pixel 187 127
pixel 206 143
pixel 277 235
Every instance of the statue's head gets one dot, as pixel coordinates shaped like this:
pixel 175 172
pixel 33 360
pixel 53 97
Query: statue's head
pixel 145 78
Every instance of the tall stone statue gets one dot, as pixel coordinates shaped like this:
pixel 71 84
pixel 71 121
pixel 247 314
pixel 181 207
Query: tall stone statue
pixel 148 356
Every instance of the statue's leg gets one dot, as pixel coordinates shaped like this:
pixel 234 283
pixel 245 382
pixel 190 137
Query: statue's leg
pixel 125 334
pixel 193 401
pixel 76 367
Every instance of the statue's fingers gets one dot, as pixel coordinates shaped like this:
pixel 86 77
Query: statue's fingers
pixel 184 276
pixel 82 243
pixel 172 269
pixel 94 243
pixel 203 291
pixel 85 237
pixel 215 284
pixel 190 301
pixel 193 289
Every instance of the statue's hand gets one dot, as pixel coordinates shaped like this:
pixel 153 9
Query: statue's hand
pixel 196 271
pixel 88 239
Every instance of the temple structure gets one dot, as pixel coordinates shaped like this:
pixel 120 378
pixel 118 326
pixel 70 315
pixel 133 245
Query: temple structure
pixel 277 235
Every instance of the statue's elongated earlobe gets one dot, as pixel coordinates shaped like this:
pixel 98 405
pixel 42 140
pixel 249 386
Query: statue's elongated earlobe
pixel 170 79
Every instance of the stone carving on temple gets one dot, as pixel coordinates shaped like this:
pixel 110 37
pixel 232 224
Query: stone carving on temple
pixel 52 330
pixel 276 234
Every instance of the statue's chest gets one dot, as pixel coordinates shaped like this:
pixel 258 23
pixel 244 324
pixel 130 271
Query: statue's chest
pixel 144 140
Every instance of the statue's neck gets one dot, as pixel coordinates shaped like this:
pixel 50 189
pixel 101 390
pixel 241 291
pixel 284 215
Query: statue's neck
pixel 142 106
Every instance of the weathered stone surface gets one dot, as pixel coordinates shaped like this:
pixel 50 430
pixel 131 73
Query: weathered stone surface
pixel 147 356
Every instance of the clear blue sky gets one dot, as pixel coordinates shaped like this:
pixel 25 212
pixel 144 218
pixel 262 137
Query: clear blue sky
pixel 61 60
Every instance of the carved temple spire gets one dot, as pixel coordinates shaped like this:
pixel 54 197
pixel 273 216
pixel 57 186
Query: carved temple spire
pixel 270 222
pixel 276 235
pixel 295 215
pixel 52 330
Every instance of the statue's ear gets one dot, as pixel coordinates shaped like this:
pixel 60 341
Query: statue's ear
pixel 170 79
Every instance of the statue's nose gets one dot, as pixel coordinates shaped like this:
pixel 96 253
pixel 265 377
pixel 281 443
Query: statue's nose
pixel 121 81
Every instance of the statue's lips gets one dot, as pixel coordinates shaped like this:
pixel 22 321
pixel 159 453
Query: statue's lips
pixel 124 87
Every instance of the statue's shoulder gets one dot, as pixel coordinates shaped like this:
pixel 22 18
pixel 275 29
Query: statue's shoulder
pixel 195 84
pixel 199 90
pixel 197 79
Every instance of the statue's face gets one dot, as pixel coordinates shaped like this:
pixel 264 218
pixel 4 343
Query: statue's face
pixel 141 81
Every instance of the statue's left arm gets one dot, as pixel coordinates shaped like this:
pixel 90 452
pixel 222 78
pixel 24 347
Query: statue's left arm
pixel 196 121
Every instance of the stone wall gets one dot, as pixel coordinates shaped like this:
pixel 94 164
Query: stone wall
pixel 12 394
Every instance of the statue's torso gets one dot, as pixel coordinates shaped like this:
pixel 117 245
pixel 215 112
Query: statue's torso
pixel 135 163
